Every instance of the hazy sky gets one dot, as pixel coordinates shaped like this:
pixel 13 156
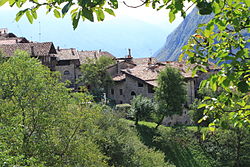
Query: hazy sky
pixel 143 29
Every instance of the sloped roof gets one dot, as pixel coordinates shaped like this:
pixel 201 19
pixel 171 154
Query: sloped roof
pixel 84 55
pixel 38 49
pixel 67 54
pixel 13 40
pixel 140 61
pixel 149 73
pixel 119 77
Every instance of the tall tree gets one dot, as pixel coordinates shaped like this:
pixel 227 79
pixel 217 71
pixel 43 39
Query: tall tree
pixel 40 122
pixel 170 94
pixel 95 76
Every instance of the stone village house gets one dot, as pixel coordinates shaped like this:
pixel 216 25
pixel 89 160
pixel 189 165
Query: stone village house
pixel 138 76
pixel 131 76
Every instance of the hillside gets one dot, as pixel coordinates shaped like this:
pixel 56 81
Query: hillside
pixel 179 37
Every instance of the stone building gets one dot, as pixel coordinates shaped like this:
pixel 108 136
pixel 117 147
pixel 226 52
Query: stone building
pixel 141 78
pixel 67 64
pixel 133 77
pixel 45 51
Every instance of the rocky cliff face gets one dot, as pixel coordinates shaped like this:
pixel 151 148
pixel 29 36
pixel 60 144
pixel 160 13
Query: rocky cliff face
pixel 179 37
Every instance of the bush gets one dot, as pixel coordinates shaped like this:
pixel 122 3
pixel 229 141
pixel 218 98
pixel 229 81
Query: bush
pixel 123 147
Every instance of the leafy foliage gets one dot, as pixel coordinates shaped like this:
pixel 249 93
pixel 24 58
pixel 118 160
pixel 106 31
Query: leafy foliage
pixel 122 145
pixel 95 77
pixel 38 126
pixel 141 107
pixel 95 10
pixel 190 147
pixel 170 95
pixel 225 40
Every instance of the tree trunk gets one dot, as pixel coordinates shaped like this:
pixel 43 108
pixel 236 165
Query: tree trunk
pixel 136 120
pixel 158 124
pixel 238 147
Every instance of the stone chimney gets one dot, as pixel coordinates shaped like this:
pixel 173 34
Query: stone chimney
pixel 3 31
pixel 129 53
pixel 58 48
pixel 72 51
pixel 150 61
pixel 118 67
pixel 32 51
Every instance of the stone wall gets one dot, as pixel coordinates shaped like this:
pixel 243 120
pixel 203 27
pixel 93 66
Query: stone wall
pixel 67 72
pixel 124 91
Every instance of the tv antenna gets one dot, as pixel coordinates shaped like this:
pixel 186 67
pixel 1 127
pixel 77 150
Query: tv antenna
pixel 39 31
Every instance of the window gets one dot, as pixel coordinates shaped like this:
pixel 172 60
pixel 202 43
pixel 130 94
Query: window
pixel 121 92
pixel 133 93
pixel 112 92
pixel 121 102
pixel 79 76
pixel 151 89
pixel 140 84
pixel 66 72
pixel 63 63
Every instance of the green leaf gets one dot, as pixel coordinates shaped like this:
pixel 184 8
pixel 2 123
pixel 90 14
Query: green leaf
pixel 34 14
pixel 2 2
pixel 212 127
pixel 57 14
pixel 29 16
pixel 19 15
pixel 100 15
pixel 65 9
pixel 75 20
pixel 109 11
pixel 171 16
pixel 12 2
pixel 247 3
pixel 88 14
pixel 181 57
pixel 201 106
pixel 243 86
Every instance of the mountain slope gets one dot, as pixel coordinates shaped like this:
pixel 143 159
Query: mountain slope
pixel 179 37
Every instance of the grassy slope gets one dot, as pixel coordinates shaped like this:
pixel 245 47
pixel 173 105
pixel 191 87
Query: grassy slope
pixel 180 148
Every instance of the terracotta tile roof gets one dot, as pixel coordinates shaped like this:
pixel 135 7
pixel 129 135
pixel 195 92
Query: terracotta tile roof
pixel 139 61
pixel 13 40
pixel 144 72
pixel 39 49
pixel 84 55
pixel 67 54
pixel 149 73
pixel 119 77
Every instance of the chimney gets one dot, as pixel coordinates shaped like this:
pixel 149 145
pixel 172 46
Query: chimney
pixel 129 53
pixel 3 31
pixel 72 51
pixel 58 48
pixel 118 67
pixel 32 51
pixel 150 61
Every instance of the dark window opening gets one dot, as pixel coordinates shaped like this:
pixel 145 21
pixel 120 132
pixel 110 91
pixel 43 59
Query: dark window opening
pixel 63 63
pixel 112 92
pixel 66 72
pixel 133 93
pixel 121 92
pixel 151 89
pixel 140 84
pixel 121 102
